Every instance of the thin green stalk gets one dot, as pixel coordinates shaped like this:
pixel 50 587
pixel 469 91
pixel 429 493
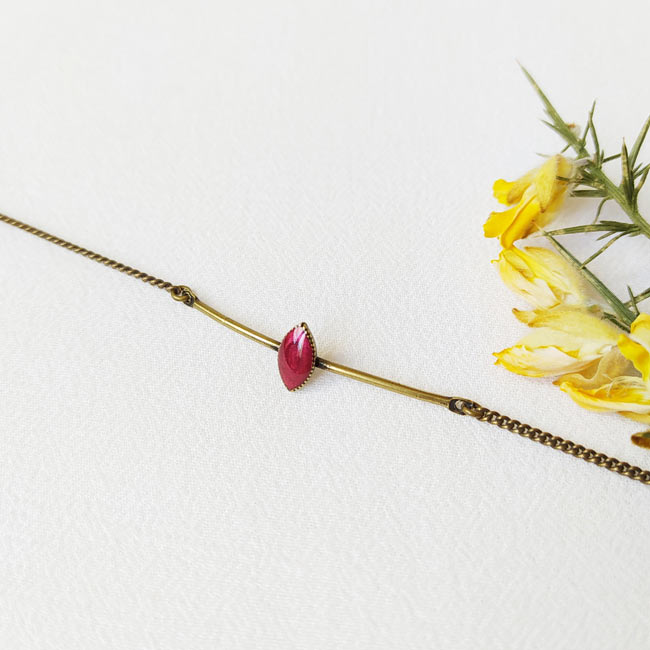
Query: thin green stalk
pixel 609 227
pixel 620 198
pixel 601 250
pixel 634 306
pixel 644 295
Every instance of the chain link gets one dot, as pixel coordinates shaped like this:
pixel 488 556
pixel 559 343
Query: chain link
pixel 180 293
pixel 555 442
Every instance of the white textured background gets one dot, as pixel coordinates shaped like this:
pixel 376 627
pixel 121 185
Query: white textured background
pixel 322 161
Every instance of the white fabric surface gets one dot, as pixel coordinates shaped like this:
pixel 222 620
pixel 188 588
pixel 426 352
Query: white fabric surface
pixel 329 162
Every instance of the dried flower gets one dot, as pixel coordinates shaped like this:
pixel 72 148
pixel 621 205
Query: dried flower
pixel 566 340
pixel 540 276
pixel 535 199
pixel 611 385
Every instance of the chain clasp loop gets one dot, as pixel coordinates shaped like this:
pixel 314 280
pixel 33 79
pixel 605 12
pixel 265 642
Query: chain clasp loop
pixel 183 294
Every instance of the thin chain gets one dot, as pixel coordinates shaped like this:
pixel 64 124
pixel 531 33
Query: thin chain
pixel 458 405
pixel 555 442
pixel 178 292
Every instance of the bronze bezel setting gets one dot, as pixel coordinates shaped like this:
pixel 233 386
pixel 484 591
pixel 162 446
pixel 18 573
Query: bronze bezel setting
pixel 314 354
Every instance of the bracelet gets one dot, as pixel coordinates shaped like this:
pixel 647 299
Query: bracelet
pixel 297 359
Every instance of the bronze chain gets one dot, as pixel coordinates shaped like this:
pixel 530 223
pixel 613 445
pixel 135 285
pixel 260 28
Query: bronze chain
pixel 457 405
pixel 96 257
pixel 555 442
pixel 178 292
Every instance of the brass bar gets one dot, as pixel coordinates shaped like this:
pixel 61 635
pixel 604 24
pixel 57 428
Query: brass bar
pixel 324 364
pixel 235 326
pixel 380 382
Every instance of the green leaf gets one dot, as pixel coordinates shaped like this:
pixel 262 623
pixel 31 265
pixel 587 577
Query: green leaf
pixel 640 297
pixel 613 319
pixel 627 183
pixel 609 227
pixel 632 300
pixel 601 250
pixel 585 132
pixel 633 231
pixel 598 154
pixel 641 183
pixel 638 143
pixel 558 124
pixel 641 169
pixel 600 208
pixel 588 193
pixel 555 128
pixel 619 225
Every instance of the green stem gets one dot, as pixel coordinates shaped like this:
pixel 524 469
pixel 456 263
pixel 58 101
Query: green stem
pixel 638 298
pixel 615 192
pixel 609 227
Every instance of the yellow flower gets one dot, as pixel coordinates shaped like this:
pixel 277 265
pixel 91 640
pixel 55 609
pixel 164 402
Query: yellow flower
pixel 567 339
pixel 610 385
pixel 535 197
pixel 542 277
pixel 621 381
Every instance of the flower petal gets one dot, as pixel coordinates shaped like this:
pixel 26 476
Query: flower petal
pixel 553 269
pixel 510 192
pixel 547 184
pixel 501 190
pixel 637 417
pixel 624 394
pixel 499 221
pixel 565 340
pixel 610 366
pixel 636 347
pixel 637 354
pixel 524 221
pixel 537 362
pixel 547 353
pixel 579 323
pixel 542 277
pixel 640 329
pixel 537 194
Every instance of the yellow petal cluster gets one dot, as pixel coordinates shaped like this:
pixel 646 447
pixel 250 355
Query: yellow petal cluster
pixel 533 200
pixel 599 367
pixel 565 340
pixel 621 380
pixel 541 277
pixel 596 364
